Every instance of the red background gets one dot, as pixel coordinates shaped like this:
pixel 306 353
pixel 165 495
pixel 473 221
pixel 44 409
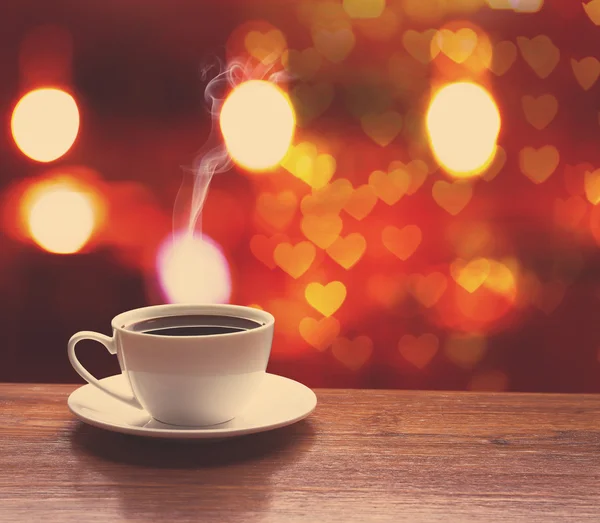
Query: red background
pixel 135 73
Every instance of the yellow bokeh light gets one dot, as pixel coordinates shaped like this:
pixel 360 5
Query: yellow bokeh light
pixel 60 217
pixel 45 123
pixel 528 6
pixel 258 123
pixel 463 123
pixel 520 6
pixel 500 4
pixel 193 269
pixel 364 9
pixel 501 279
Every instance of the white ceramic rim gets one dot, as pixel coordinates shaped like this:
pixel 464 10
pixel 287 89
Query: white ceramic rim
pixel 175 309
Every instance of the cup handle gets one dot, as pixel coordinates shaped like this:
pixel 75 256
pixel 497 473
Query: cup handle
pixel 109 343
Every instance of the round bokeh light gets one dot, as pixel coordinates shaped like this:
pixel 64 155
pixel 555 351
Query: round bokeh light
pixel 45 123
pixel 463 123
pixel 193 269
pixel 257 122
pixel 60 218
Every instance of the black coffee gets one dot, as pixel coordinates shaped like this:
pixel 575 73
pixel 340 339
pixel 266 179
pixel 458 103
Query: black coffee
pixel 194 325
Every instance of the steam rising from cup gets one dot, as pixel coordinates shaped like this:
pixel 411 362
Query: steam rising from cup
pixel 252 124
pixel 211 159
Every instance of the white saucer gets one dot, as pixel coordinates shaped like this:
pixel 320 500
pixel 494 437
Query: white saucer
pixel 279 402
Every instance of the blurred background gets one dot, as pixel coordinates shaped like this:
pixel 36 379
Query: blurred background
pixel 432 224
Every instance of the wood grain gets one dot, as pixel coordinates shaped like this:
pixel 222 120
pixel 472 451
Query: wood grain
pixel 362 456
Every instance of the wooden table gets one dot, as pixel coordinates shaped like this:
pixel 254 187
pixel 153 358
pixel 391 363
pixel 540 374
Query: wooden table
pixel 363 455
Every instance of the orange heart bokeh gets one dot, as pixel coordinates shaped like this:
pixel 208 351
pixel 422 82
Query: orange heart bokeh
pixel 326 298
pixel 319 334
pixel 295 259
pixel 402 242
pixel 353 353
pixel 419 351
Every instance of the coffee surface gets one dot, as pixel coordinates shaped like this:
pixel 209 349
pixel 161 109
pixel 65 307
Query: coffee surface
pixel 193 325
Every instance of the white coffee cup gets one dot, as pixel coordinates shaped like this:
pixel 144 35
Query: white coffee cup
pixel 186 380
